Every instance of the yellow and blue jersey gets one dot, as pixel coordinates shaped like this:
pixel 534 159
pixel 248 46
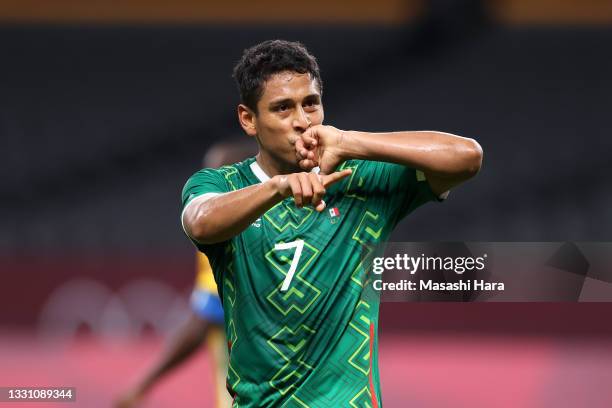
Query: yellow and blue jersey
pixel 205 300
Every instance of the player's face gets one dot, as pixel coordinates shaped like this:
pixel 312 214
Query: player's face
pixel 290 104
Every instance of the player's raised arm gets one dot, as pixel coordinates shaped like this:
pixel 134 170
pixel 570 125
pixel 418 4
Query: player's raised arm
pixel 219 217
pixel 447 160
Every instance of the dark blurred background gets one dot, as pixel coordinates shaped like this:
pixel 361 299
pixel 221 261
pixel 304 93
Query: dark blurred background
pixel 107 108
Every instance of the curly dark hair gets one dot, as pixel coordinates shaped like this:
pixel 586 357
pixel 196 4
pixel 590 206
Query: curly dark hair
pixel 265 59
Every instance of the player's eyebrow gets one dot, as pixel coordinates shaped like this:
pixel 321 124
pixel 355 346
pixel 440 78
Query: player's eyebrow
pixel 313 98
pixel 288 101
pixel 284 101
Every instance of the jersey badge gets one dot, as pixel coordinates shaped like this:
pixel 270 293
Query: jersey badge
pixel 334 215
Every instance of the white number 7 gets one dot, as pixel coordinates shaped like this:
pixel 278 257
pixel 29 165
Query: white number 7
pixel 298 245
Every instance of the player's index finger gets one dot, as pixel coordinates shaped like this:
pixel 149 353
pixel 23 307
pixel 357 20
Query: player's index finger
pixel 311 141
pixel 308 138
pixel 330 179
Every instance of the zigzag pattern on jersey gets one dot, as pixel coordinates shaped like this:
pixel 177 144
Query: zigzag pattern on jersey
pixel 301 293
pixel 232 375
pixel 231 175
pixel 289 342
pixel 370 226
pixel 360 359
pixel 292 351
pixel 283 216
pixel 363 399
pixel 229 296
pixel 355 182
pixel 295 402
pixel 229 289
pixel 299 297
pixel 367 234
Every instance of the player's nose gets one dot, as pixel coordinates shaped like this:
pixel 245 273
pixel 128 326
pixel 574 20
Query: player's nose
pixel 301 121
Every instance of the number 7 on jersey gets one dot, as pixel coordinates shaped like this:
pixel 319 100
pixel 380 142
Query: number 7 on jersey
pixel 298 245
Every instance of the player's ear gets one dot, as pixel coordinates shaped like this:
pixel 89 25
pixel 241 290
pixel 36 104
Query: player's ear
pixel 247 119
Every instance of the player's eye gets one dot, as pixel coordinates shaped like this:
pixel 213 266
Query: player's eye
pixel 283 107
pixel 311 105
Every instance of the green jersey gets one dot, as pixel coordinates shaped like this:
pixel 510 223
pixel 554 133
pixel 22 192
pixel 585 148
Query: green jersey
pixel 300 317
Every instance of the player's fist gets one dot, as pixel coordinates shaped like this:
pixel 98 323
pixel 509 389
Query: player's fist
pixel 320 146
pixel 307 188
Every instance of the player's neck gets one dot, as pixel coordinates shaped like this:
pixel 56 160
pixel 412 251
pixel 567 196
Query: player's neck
pixel 273 167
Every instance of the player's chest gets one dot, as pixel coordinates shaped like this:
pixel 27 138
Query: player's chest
pixel 286 222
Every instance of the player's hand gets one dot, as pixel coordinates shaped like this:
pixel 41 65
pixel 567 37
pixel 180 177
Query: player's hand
pixel 308 188
pixel 320 146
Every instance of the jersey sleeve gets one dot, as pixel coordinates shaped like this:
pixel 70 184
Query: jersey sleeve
pixel 202 183
pixel 405 187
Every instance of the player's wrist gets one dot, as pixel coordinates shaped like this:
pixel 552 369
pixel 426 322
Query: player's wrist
pixel 347 145
pixel 279 186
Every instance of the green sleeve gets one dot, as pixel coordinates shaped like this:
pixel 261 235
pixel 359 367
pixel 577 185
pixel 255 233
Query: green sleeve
pixel 203 182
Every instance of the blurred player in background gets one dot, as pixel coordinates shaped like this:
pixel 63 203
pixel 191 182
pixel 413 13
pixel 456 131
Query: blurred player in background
pixel 286 232
pixel 205 322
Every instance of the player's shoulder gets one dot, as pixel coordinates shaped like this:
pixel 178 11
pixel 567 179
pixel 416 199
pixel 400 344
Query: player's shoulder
pixel 239 167
pixel 222 172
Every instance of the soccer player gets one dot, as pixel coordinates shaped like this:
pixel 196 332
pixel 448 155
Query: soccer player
pixel 284 232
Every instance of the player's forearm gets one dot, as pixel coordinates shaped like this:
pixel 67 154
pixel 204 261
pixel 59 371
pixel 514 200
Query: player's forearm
pixel 438 153
pixel 224 216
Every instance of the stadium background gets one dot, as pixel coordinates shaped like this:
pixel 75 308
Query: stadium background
pixel 106 109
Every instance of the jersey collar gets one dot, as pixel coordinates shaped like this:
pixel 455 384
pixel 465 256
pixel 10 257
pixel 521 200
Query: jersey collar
pixel 263 177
